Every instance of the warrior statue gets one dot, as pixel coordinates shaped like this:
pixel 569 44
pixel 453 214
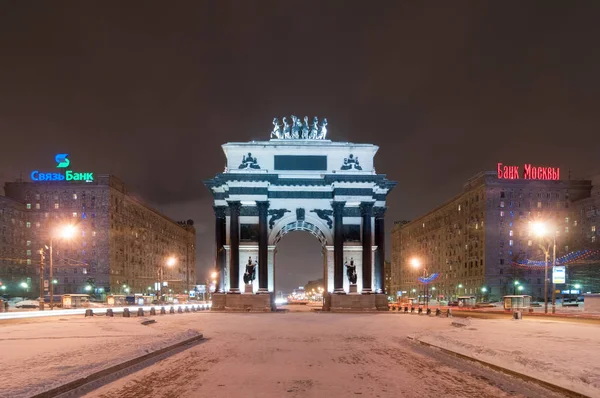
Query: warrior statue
pixel 305 128
pixel 296 127
pixel 276 129
pixel 314 130
pixel 286 128
pixel 351 272
pixel 323 132
pixel 250 273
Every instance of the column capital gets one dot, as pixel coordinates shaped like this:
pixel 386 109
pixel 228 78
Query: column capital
pixel 234 207
pixel 220 211
pixel 263 206
pixel 379 211
pixel 338 206
pixel 366 208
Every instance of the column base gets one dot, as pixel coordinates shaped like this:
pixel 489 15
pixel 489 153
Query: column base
pixel 367 291
pixel 339 291
pixel 358 303
pixel 243 302
pixel 234 290
pixel 263 290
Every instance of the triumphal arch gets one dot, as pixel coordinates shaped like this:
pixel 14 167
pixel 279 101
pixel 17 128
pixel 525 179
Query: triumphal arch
pixel 300 180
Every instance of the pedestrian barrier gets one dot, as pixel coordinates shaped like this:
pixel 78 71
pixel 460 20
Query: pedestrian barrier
pixel 89 312
pixel 406 309
pixel 152 311
pixel 438 312
pixel 428 311
pixel 187 309
pixel 179 310
pixel 517 315
pixel 140 312
pixel 449 313
pixel 109 312
pixel 193 309
pixel 126 313
pixel 420 310
pixel 163 311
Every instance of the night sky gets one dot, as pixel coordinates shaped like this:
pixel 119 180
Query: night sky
pixel 149 91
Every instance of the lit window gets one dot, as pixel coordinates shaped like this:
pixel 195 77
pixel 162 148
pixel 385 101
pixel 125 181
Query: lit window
pixel 28 206
pixel 575 223
pixel 93 233
pixel 566 220
pixel 74 214
pixel 458 207
pixel 566 229
pixel 56 205
pixel 74 196
pixel 37 224
pixel 28 252
pixel 28 224
pixel 529 243
pixel 37 206
pixel 28 261
pixel 28 243
pixel 593 228
pixel 37 196
pixel 539 205
pixel 594 238
pixel 510 233
pixel 423 225
pixel 501 214
pixel 501 203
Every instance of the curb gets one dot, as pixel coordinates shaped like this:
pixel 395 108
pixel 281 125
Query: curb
pixel 65 388
pixel 550 386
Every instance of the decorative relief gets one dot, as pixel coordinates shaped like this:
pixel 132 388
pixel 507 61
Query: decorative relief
pixel 276 214
pixel 351 163
pixel 325 214
pixel 300 214
pixel 249 162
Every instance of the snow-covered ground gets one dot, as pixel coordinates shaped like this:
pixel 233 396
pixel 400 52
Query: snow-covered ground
pixel 562 353
pixel 40 354
pixel 294 354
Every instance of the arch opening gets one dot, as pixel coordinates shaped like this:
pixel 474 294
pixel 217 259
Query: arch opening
pixel 301 226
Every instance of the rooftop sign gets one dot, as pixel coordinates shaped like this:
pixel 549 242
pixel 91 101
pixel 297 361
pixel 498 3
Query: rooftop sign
pixel 529 173
pixel 62 162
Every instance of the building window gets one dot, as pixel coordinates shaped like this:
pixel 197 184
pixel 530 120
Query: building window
pixel 28 243
pixel 56 205
pixel 501 261
pixel 458 207
pixel 566 220
pixel 28 261
pixel 28 206
pixel 74 196
pixel 567 230
pixel 501 214
pixel 74 214
pixel 501 203
pixel 501 194
pixel 510 233
pixel 575 223
pixel 529 242
pixel 510 242
pixel 539 205
pixel 94 233
pixel 28 252
pixel 37 206
pixel 593 228
pixel 37 196
pixel 594 238
pixel 28 224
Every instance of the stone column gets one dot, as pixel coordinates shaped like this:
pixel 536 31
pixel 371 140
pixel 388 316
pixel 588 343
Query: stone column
pixel 263 249
pixel 338 247
pixel 380 253
pixel 234 246
pixel 220 239
pixel 366 212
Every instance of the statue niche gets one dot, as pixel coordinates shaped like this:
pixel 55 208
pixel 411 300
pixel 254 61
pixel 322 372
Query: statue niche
pixel 351 271
pixel 250 273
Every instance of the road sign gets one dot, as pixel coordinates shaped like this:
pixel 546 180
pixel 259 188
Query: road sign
pixel 201 288
pixel 559 274
pixel 46 284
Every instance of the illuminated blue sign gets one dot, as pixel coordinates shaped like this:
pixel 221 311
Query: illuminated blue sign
pixel 69 175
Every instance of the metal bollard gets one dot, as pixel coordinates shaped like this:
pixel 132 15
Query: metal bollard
pixel 140 312
pixel 428 311
pixel 126 313
pixel 449 313
pixel 179 310
pixel 109 312
pixel 193 309
pixel 187 309
pixel 163 311
pixel 412 309
pixel 406 309
pixel 152 311
pixel 172 310
pixel 420 310
pixel 438 312
pixel 89 312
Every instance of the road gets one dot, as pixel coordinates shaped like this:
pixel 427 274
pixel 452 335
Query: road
pixel 308 354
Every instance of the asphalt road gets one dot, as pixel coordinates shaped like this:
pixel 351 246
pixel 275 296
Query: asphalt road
pixel 314 355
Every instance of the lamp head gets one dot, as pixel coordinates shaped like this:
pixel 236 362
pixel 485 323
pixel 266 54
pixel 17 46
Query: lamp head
pixel 415 262
pixel 171 261
pixel 540 229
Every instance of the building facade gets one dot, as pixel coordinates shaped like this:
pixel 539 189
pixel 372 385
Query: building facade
pixel 121 246
pixel 16 250
pixel 472 240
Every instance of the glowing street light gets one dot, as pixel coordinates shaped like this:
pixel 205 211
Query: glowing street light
pixel 541 230
pixel 171 261
pixel 24 285
pixel 88 288
pixel 66 232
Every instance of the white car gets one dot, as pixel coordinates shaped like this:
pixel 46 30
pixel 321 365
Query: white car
pixel 27 304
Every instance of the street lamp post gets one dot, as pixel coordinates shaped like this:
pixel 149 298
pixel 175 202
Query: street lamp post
pixel 416 263
pixel 515 284
pixel 66 232
pixel 161 274
pixel 541 231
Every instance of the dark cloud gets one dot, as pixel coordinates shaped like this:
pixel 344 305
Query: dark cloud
pixel 150 92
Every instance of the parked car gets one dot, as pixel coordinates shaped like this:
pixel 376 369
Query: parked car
pixel 27 304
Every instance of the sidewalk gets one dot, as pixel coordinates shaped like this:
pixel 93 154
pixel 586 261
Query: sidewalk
pixel 564 354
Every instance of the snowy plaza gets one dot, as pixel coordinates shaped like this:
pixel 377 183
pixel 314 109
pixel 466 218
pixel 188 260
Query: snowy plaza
pixel 301 354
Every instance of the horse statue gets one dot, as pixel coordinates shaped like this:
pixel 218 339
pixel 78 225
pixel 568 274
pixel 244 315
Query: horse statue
pixel 276 129
pixel 305 128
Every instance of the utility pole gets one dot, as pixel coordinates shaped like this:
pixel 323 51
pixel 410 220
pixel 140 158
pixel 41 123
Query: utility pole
pixel 41 279
pixel 51 279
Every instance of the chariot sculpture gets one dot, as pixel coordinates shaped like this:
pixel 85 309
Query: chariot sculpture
pixel 299 129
